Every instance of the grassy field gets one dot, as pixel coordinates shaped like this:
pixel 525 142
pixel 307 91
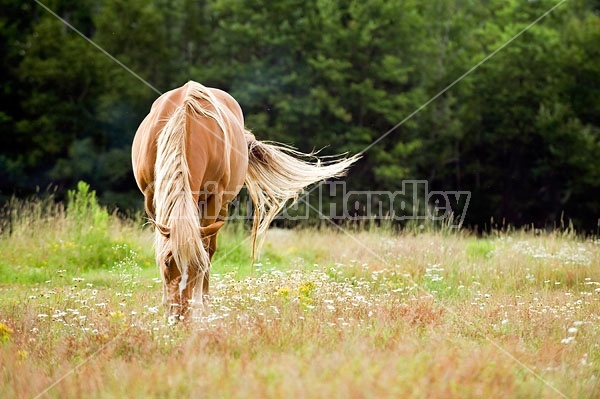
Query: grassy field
pixel 327 313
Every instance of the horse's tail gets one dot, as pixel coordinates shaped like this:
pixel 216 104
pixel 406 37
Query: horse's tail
pixel 276 174
pixel 178 234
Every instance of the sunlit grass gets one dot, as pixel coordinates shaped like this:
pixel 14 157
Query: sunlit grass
pixel 323 313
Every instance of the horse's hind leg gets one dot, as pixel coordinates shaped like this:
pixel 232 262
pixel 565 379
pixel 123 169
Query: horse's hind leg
pixel 205 287
pixel 201 293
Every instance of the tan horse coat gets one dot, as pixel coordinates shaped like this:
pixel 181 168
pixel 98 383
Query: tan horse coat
pixel 191 156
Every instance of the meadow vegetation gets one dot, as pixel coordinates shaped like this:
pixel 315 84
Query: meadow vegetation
pixel 339 313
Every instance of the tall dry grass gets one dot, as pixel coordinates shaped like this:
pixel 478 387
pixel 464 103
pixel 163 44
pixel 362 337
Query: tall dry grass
pixel 326 313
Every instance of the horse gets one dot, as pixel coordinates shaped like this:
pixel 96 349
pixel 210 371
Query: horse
pixel 191 156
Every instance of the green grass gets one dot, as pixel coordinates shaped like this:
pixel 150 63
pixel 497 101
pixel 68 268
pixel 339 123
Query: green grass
pixel 324 313
pixel 480 249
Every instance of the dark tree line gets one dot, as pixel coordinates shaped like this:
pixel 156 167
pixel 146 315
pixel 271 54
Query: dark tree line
pixel 521 132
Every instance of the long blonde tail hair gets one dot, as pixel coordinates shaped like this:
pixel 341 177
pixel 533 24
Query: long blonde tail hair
pixel 178 235
pixel 277 174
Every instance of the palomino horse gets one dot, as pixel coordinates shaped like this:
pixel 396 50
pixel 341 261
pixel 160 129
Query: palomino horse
pixel 191 156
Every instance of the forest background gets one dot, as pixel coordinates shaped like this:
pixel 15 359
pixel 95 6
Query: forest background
pixel 521 132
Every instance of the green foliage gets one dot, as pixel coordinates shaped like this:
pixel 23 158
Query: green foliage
pixel 521 132
pixel 44 241
pixel 82 207
pixel 89 222
pixel 89 228
pixel 480 249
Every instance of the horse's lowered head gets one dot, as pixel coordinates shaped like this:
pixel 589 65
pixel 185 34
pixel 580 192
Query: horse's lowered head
pixel 185 276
